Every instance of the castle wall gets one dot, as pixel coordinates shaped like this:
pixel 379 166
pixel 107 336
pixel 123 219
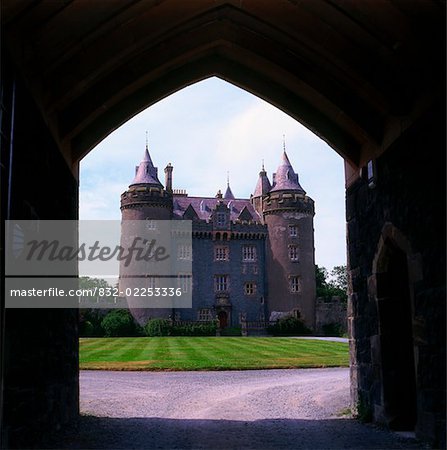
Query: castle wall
pixel 330 316
pixel 280 214
pixel 239 272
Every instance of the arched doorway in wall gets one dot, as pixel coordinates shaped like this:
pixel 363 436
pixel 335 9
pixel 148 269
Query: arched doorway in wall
pixel 397 404
pixel 319 52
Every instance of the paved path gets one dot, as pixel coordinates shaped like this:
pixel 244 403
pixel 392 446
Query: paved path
pixel 259 409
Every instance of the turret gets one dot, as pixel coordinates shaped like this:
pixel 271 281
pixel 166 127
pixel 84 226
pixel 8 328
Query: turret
pixel 288 213
pixel 228 193
pixel 145 201
pixel 168 177
pixel 261 190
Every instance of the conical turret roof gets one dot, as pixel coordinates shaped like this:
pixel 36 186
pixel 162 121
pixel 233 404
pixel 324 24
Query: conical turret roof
pixel 228 193
pixel 146 173
pixel 285 178
pixel 263 185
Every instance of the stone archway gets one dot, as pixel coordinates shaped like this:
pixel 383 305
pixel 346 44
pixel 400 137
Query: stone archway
pixel 369 80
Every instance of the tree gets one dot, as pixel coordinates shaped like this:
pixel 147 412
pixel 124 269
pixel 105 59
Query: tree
pixel 119 322
pixel 90 318
pixel 336 287
pixel 339 276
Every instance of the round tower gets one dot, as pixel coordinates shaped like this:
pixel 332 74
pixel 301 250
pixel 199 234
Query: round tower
pixel 290 262
pixel 143 204
pixel 146 199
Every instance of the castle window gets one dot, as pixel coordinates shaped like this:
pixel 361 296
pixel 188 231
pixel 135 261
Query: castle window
pixel 221 283
pixel 204 315
pixel 184 251
pixel 221 219
pixel 293 253
pixel 151 224
pixel 248 253
pixel 250 288
pixel 293 230
pixel 294 283
pixel 221 253
pixel 184 282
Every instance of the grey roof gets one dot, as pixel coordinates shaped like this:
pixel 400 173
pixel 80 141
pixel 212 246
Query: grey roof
pixel 285 178
pixel 203 206
pixel 228 194
pixel 146 173
pixel 263 185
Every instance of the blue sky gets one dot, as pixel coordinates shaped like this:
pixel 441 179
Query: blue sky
pixel 206 130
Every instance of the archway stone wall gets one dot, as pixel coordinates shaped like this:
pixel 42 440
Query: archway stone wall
pixel 401 206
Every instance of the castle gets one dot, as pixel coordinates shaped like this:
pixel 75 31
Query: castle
pixel 252 259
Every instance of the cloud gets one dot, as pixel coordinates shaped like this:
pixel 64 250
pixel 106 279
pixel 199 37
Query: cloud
pixel 206 130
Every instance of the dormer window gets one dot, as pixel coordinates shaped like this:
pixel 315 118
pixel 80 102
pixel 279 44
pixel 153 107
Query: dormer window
pixel 221 219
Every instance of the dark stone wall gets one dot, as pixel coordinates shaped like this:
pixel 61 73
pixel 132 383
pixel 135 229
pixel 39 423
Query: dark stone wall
pixel 39 347
pixel 330 313
pixel 409 194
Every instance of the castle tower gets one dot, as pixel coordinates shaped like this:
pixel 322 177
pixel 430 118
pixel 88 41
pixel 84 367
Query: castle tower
pixel 146 199
pixel 288 213
pixel 144 202
pixel 262 188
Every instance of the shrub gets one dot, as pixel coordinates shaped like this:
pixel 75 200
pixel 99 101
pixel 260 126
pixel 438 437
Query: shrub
pixel 231 331
pixel 119 322
pixel 86 329
pixel 157 327
pixel 333 329
pixel 288 326
pixel 90 323
pixel 194 329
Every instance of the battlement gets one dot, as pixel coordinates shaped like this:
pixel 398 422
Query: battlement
pixel 180 192
pixel 138 195
pixel 277 201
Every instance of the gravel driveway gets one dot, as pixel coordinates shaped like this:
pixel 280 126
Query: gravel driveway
pixel 259 409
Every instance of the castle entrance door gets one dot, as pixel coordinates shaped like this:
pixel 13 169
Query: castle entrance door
pixel 223 319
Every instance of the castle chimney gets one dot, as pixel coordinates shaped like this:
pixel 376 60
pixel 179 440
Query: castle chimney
pixel 168 177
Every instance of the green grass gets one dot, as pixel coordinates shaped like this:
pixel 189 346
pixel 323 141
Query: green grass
pixel 209 353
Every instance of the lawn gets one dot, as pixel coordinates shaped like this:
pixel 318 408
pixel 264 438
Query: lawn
pixel 209 353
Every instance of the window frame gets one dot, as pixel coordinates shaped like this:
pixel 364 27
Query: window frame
pixel 221 282
pixel 250 288
pixel 226 251
pixel 294 284
pixel 293 253
pixel 249 253
pixel 293 231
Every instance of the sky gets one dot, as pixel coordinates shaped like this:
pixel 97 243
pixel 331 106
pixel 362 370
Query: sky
pixel 205 131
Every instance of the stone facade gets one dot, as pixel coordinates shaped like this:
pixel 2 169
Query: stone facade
pixel 250 257
pixel 396 309
pixel 330 314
